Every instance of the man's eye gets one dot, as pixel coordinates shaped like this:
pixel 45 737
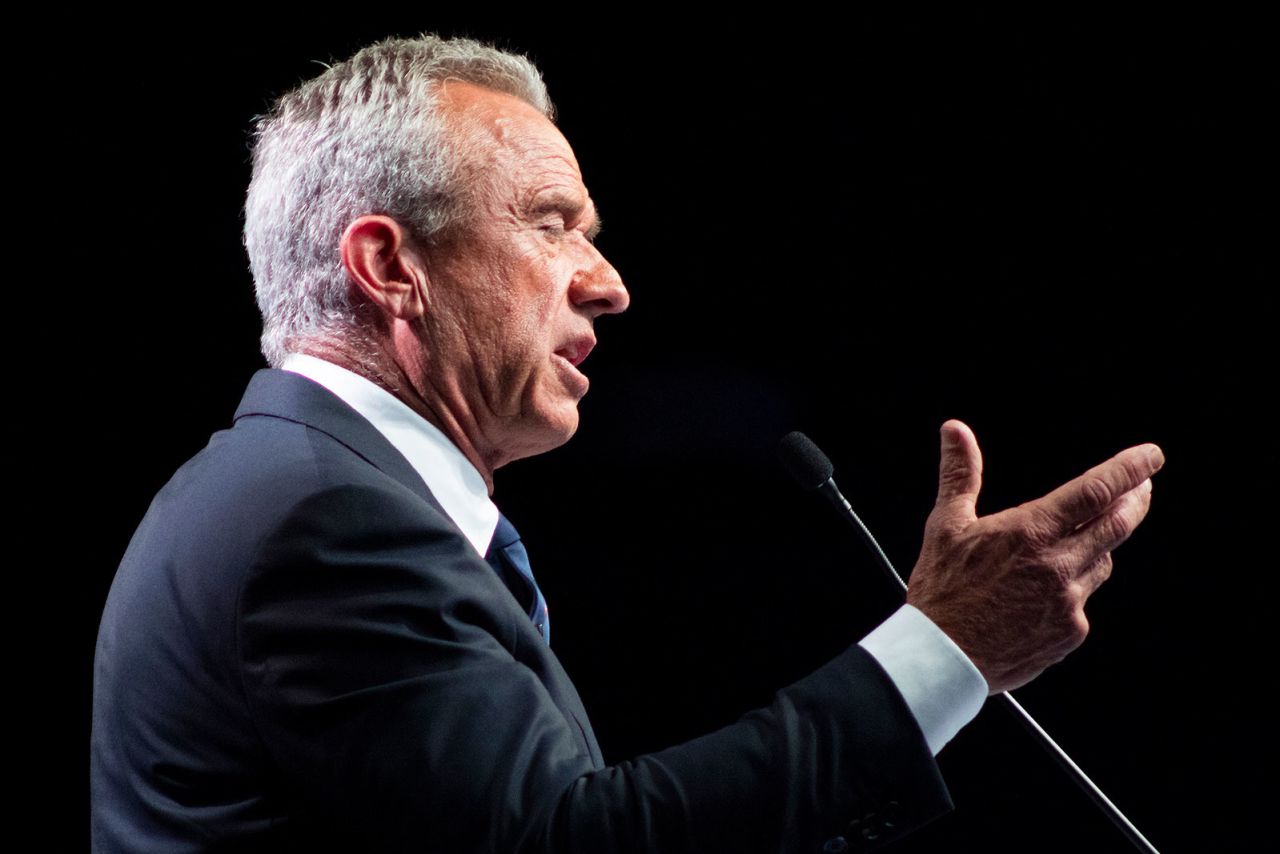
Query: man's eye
pixel 553 229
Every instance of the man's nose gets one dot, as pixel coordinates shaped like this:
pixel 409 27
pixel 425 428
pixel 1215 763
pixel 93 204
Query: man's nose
pixel 600 290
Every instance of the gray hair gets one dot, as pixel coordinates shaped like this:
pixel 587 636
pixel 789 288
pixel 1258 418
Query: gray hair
pixel 365 137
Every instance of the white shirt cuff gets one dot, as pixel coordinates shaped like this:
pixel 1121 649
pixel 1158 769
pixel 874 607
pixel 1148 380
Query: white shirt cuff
pixel 942 687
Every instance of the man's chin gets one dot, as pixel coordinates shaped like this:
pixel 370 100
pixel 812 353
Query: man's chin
pixel 551 433
pixel 562 429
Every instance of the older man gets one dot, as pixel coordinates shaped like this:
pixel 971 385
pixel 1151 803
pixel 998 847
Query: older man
pixel 325 635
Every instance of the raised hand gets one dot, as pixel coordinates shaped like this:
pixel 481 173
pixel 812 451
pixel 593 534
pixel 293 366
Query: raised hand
pixel 1010 588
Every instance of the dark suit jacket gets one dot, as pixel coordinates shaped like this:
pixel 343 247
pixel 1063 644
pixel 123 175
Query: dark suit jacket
pixel 300 649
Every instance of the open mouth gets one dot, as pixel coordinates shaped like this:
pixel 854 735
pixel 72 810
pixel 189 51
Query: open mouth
pixel 576 351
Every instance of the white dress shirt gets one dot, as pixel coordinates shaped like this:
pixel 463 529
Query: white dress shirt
pixel 940 685
pixel 450 476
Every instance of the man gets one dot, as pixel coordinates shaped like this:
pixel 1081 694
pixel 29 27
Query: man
pixel 324 635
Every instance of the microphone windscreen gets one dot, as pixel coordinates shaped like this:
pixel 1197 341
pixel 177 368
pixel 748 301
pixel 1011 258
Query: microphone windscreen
pixel 806 463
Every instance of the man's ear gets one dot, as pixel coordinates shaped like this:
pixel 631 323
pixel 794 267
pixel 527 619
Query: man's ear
pixel 380 258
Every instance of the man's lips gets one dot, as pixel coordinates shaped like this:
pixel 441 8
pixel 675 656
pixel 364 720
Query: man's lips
pixel 577 350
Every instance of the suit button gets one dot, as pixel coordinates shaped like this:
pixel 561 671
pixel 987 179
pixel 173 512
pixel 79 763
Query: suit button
pixel 835 845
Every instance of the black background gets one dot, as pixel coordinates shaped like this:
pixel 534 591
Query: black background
pixel 1058 229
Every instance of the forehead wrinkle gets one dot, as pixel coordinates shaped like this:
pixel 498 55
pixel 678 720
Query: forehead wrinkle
pixel 515 144
pixel 543 162
pixel 553 194
pixel 504 131
pixel 533 138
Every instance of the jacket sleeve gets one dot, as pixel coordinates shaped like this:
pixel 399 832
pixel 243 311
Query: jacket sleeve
pixel 375 654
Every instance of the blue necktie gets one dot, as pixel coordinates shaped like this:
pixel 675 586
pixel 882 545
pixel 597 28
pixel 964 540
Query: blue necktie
pixel 506 546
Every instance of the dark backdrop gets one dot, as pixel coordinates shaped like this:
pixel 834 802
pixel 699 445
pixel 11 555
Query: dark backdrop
pixel 1058 230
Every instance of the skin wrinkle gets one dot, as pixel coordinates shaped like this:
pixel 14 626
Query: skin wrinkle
pixel 1037 595
pixel 511 287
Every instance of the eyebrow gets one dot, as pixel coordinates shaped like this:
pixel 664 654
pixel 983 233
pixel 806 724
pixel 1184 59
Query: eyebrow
pixel 557 200
pixel 596 225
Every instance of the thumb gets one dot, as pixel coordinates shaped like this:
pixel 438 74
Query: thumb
pixel 959 473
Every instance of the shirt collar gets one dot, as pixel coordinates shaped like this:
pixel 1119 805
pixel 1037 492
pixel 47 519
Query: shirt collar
pixel 450 476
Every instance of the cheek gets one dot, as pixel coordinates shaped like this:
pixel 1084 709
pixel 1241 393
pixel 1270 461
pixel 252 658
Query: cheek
pixel 538 317
pixel 517 356
pixel 520 311
pixel 542 292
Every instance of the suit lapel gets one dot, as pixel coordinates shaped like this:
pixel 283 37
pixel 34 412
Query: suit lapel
pixel 293 397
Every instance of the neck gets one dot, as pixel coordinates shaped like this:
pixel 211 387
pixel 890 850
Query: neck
pixel 407 380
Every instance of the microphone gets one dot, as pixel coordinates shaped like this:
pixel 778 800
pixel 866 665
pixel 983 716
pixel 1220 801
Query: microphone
pixel 813 470
pixel 805 461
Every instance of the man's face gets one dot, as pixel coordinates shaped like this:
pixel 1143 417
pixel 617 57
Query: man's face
pixel 512 297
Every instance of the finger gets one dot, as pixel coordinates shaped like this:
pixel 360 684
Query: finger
pixel 959 473
pixel 1095 574
pixel 1107 531
pixel 1092 493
